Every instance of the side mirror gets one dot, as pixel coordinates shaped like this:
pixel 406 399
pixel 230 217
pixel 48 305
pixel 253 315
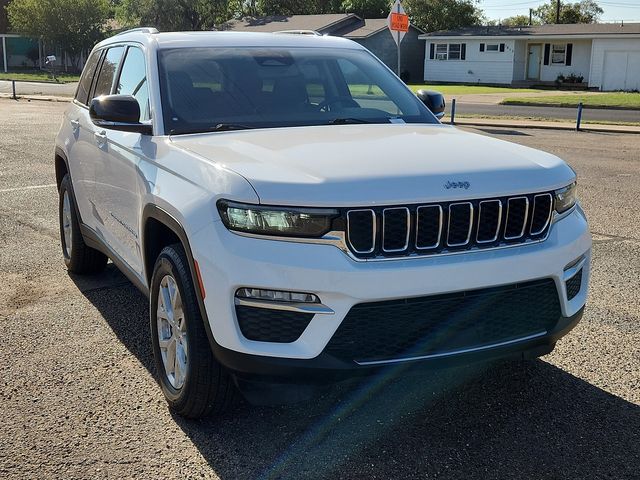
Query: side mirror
pixel 118 112
pixel 434 101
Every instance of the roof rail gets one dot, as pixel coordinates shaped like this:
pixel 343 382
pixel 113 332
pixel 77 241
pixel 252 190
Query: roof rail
pixel 299 32
pixel 140 29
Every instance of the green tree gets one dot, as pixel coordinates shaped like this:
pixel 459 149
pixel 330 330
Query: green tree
pixel 299 7
pixel 586 11
pixel 74 25
pixel 516 21
pixel 367 8
pixel 168 15
pixel 432 15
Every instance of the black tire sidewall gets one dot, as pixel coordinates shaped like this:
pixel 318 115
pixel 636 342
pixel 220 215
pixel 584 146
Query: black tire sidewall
pixel 76 236
pixel 166 265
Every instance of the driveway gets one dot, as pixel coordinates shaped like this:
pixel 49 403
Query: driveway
pixel 78 398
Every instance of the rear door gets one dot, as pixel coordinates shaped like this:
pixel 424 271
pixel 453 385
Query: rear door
pixel 81 148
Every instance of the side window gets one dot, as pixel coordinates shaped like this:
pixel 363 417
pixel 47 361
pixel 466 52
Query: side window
pixel 84 86
pixel 107 71
pixel 133 80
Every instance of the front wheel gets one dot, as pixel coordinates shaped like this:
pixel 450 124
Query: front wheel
pixel 193 382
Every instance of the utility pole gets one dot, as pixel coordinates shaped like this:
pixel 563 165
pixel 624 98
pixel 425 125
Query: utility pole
pixel 530 16
pixel 557 11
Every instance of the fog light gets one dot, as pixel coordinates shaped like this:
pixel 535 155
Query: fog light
pixel 276 295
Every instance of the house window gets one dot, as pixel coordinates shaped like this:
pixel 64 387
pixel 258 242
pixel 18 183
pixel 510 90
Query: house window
pixel 454 51
pixel 448 51
pixel 558 54
pixel 492 47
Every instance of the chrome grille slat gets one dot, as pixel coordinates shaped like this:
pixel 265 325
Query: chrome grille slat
pixel 535 212
pixel 385 213
pixel 509 218
pixel 447 227
pixel 498 223
pixel 373 232
pixel 418 230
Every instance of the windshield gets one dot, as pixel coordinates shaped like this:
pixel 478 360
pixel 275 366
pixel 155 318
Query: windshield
pixel 213 88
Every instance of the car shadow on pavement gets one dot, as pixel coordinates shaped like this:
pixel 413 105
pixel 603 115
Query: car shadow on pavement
pixel 505 420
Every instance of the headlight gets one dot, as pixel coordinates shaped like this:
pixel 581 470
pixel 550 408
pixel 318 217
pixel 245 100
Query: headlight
pixel 281 221
pixel 566 197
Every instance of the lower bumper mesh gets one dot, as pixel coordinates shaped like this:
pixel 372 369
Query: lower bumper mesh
pixel 270 325
pixel 442 323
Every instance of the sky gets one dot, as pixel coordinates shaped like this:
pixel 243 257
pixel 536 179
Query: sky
pixel 614 10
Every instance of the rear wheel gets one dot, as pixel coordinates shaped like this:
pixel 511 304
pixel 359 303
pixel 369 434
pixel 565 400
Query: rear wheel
pixel 78 257
pixel 193 382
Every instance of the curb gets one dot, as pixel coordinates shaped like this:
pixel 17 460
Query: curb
pixel 549 126
pixel 556 105
pixel 40 98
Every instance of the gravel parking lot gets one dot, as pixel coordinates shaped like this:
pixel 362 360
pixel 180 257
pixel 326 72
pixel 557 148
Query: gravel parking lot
pixel 78 397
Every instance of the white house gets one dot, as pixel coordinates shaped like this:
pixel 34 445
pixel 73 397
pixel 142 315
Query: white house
pixel 606 56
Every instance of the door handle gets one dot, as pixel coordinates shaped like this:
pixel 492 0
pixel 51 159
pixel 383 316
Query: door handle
pixel 101 138
pixel 75 125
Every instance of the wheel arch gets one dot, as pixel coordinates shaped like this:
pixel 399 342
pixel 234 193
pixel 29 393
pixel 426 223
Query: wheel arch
pixel 61 166
pixel 152 217
pixel 160 229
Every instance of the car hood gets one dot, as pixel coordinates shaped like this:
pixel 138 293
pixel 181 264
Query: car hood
pixel 362 165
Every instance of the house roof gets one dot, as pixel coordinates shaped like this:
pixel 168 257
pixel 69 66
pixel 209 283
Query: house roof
pixel 370 27
pixel 348 25
pixel 275 23
pixel 577 29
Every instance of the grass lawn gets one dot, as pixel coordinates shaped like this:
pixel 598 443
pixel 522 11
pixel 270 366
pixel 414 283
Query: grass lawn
pixel 604 100
pixel 38 76
pixel 469 89
pixel 533 118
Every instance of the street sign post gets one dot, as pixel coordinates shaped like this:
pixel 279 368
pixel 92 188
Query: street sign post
pixel 398 22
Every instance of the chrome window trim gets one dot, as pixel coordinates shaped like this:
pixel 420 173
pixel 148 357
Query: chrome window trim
pixel 533 213
pixel 440 220
pixel 524 223
pixel 453 352
pixel 373 233
pixel 480 220
pixel 406 240
pixel 470 224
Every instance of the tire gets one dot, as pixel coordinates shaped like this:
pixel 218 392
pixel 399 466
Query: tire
pixel 194 383
pixel 78 257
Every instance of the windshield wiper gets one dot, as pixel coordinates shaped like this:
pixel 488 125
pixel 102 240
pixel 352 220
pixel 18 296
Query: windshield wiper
pixel 221 127
pixel 347 120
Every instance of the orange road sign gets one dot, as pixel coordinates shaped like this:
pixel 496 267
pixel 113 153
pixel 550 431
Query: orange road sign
pixel 399 22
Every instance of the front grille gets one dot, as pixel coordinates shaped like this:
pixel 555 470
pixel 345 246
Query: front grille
pixel 443 323
pixel 448 226
pixel 270 325
pixel 573 285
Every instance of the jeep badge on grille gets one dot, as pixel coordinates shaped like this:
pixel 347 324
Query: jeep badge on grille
pixel 451 184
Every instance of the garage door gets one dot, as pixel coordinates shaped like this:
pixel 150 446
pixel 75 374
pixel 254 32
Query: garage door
pixel 621 71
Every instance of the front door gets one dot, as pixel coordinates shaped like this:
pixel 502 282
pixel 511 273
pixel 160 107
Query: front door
pixel 533 61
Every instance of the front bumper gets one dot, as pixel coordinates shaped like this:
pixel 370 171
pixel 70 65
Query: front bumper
pixel 327 369
pixel 228 261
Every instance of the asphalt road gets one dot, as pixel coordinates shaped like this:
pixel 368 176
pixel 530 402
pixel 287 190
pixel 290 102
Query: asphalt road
pixel 78 397
pixel 593 114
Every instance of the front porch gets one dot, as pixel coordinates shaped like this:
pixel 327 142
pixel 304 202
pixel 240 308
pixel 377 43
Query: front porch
pixel 552 63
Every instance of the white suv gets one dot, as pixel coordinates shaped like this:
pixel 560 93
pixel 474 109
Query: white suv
pixel 296 215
